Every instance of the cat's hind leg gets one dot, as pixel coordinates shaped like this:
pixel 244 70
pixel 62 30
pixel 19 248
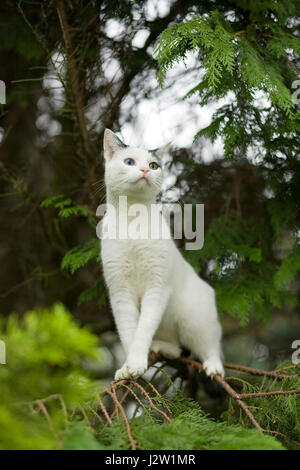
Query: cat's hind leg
pixel 213 366
pixel 200 332
pixel 168 350
pixel 206 346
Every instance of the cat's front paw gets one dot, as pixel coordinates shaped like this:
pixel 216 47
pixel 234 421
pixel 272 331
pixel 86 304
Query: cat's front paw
pixel 213 366
pixel 131 370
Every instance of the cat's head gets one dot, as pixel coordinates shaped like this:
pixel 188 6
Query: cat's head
pixel 131 171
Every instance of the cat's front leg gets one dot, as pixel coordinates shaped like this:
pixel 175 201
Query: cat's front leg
pixel 152 309
pixel 126 315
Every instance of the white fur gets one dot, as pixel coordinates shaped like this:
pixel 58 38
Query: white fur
pixel 158 300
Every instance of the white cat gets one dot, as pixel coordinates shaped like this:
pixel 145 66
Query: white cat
pixel 158 301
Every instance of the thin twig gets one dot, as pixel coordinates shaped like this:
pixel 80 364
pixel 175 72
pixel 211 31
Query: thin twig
pixel 122 400
pixel 113 394
pixel 104 411
pixel 44 410
pixel 240 402
pixel 139 401
pixel 252 371
pixel 278 433
pixel 291 366
pixel 192 362
pixel 155 391
pixel 269 394
pixel 75 82
pixel 147 396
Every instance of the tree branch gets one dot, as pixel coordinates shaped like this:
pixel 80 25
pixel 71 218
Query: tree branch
pixel 75 85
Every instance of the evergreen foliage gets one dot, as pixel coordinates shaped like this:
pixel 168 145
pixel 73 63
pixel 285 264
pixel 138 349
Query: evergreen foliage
pixel 249 55
pixel 80 255
pixel 277 413
pixel 189 430
pixel 45 353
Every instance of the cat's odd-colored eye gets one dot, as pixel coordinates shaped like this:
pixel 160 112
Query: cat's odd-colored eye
pixel 129 161
pixel 153 166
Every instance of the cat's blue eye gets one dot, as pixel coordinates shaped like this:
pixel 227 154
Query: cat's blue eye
pixel 129 161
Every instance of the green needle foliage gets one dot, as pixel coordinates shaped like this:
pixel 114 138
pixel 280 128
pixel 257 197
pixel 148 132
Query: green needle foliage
pixel 248 53
pixel 49 401
pixel 243 50
pixel 44 355
pixel 248 57
pixel 278 413
pixel 190 429
pixel 80 255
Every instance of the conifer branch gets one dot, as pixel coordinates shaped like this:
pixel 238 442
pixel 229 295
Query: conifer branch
pixel 237 397
pixel 43 409
pixel 112 393
pixel 269 394
pixel 104 411
pixel 73 73
pixel 251 370
pixel 141 395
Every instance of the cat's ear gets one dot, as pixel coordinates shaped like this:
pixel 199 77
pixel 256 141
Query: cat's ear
pixel 160 151
pixel 111 143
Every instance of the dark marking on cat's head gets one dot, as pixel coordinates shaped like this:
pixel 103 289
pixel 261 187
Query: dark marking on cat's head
pixel 155 155
pixel 160 151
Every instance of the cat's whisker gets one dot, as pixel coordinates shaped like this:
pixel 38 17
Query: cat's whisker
pixel 98 181
pixel 100 188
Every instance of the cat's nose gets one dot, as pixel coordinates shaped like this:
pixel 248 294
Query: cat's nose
pixel 144 170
